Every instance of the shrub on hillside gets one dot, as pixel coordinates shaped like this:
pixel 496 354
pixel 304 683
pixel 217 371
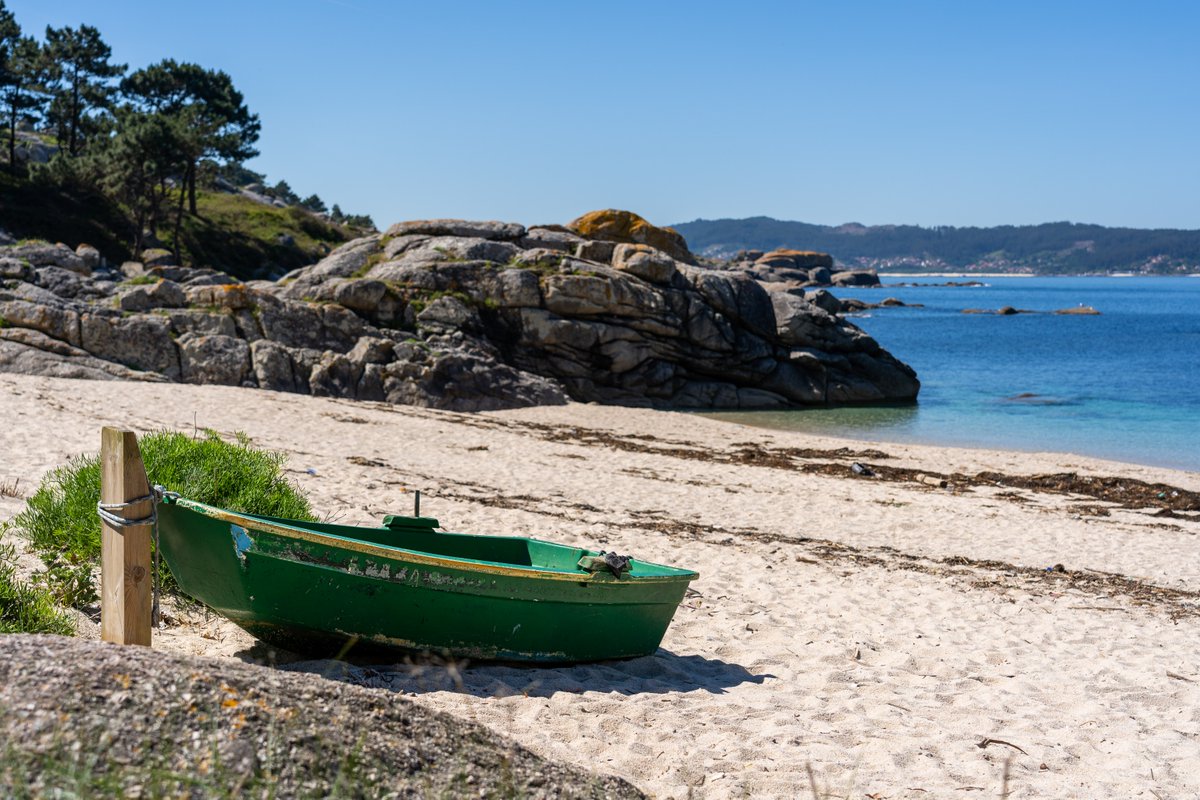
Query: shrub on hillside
pixel 60 518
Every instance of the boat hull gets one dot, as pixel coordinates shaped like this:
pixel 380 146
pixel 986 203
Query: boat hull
pixel 311 592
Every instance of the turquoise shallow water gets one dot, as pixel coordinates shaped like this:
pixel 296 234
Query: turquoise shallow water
pixel 1124 385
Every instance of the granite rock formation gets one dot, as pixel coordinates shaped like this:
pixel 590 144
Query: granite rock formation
pixel 451 314
pixel 798 269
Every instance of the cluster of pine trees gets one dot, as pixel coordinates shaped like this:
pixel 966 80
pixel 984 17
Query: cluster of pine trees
pixel 144 138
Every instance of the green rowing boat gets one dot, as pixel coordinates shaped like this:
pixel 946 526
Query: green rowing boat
pixel 319 588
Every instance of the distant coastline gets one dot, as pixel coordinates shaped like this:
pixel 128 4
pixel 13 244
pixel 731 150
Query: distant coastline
pixel 1053 248
pixel 961 275
pixel 1030 275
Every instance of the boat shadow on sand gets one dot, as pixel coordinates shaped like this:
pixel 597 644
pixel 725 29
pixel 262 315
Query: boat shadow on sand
pixel 655 674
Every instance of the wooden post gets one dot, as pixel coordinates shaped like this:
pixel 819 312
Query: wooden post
pixel 125 590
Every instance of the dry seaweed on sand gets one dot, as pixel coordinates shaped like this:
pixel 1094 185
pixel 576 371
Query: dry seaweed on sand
pixel 1124 492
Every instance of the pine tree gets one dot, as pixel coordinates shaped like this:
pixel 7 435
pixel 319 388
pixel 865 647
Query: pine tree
pixel 361 221
pixel 313 203
pixel 20 72
pixel 218 125
pixel 80 82
pixel 22 90
pixel 136 167
pixel 284 192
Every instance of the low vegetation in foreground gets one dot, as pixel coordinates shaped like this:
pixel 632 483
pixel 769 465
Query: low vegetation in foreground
pixel 60 518
pixel 26 607
pixel 83 719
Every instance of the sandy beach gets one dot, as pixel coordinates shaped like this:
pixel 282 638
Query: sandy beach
pixel 863 636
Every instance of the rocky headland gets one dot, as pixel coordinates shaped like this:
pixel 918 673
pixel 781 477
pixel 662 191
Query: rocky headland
pixel 450 314
pixel 790 270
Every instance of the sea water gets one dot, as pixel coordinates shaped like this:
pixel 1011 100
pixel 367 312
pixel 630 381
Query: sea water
pixel 1124 385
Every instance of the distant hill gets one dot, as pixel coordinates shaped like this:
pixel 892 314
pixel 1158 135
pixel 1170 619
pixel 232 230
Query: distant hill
pixel 1055 247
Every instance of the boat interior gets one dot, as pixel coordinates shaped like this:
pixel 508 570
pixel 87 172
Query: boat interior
pixel 420 534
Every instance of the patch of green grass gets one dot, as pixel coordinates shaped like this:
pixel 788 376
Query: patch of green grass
pixel 463 297
pixel 419 299
pixel 551 267
pixel 60 518
pixel 208 309
pixel 375 258
pixel 25 608
pixel 141 280
pixel 4 323
pixel 451 256
pixel 243 237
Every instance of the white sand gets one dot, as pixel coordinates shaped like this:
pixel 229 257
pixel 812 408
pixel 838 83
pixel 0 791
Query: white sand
pixel 883 679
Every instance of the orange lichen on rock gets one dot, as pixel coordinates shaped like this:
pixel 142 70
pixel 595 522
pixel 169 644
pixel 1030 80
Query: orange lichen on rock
pixel 613 225
pixel 231 296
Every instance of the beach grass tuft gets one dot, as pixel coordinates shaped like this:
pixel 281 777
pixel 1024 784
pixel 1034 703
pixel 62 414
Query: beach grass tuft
pixel 60 518
pixel 24 607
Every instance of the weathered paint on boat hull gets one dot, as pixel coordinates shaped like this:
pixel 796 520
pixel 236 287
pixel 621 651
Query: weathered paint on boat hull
pixel 311 592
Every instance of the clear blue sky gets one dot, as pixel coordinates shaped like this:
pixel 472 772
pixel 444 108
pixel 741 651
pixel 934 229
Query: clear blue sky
pixel 956 113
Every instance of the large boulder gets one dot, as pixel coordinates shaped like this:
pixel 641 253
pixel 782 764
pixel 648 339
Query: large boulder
pixel 190 276
pixel 230 296
pixel 796 259
pixel 612 225
pixel 162 294
pixel 90 255
pixel 825 301
pixel 158 257
pixel 216 359
pixel 31 352
pixel 142 341
pixel 462 380
pixel 44 254
pixel 273 367
pixel 500 231
pixel 645 262
pixel 17 269
pixel 855 277
pixel 451 312
pixel 551 239
pixel 346 261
